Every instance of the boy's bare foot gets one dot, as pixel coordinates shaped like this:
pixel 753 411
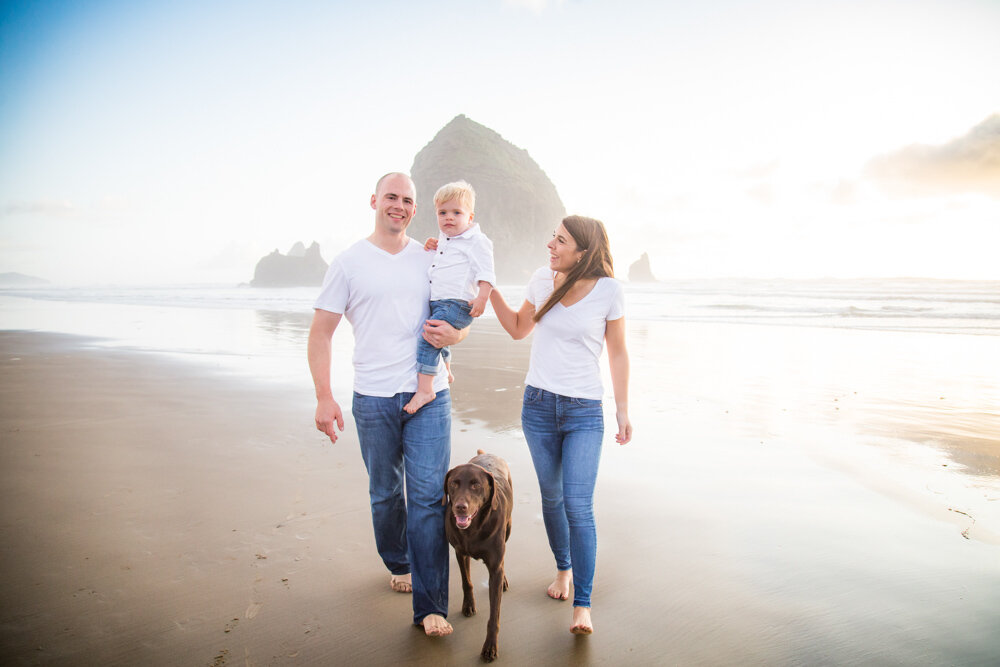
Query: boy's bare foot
pixel 582 624
pixel 419 400
pixel 451 376
pixel 401 583
pixel 436 625
pixel 559 588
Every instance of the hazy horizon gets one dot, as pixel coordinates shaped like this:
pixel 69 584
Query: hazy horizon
pixel 178 143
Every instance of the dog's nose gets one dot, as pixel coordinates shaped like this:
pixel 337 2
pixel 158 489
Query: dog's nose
pixel 461 507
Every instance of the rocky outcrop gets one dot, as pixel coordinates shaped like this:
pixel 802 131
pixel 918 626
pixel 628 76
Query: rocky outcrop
pixel 640 271
pixel 516 203
pixel 301 267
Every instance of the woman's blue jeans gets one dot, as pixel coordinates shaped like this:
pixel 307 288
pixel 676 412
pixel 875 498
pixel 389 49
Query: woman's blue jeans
pixel 456 313
pixel 564 437
pixel 409 535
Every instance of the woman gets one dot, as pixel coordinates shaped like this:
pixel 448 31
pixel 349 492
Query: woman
pixel 575 305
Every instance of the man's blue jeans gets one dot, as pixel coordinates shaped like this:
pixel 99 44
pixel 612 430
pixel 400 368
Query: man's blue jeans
pixel 456 313
pixel 409 535
pixel 564 437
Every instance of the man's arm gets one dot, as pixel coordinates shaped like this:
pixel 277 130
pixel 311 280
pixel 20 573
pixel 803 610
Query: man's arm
pixel 320 353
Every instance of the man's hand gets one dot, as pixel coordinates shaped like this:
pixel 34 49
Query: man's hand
pixel 327 414
pixel 441 334
pixel 431 244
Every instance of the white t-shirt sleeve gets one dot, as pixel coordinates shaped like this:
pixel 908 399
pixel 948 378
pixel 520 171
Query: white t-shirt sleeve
pixel 335 292
pixel 616 305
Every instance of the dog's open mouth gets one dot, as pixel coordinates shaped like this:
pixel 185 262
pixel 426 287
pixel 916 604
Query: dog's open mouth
pixel 464 522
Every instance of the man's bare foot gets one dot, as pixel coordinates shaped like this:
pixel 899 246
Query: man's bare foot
pixel 582 624
pixel 559 588
pixel 401 583
pixel 436 625
pixel 419 400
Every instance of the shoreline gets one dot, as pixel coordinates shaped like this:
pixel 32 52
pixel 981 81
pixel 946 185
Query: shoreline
pixel 156 512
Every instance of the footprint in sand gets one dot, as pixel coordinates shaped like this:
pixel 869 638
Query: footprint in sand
pixel 253 609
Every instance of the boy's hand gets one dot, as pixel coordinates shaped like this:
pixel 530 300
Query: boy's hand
pixel 478 305
pixel 431 244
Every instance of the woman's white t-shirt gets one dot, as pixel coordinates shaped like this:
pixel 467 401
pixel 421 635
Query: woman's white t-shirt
pixel 568 341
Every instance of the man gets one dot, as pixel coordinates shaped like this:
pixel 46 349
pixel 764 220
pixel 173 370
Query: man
pixel 380 284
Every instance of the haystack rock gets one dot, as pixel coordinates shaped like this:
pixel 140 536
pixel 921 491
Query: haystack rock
pixel 517 205
pixel 640 271
pixel 301 267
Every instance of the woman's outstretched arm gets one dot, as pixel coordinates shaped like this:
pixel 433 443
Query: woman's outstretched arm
pixel 614 335
pixel 518 324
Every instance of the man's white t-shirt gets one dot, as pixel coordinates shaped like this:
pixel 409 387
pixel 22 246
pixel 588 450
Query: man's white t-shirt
pixel 460 262
pixel 385 297
pixel 568 341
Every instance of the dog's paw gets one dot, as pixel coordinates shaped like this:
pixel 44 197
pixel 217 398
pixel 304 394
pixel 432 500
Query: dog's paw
pixel 505 586
pixel 469 606
pixel 490 650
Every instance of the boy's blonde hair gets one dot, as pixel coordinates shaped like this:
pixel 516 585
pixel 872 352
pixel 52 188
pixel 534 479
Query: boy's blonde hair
pixel 459 190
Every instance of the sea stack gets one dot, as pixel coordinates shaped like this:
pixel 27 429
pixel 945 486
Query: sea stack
pixel 640 271
pixel 301 267
pixel 517 205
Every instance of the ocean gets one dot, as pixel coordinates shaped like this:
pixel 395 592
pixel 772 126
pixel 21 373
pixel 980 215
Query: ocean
pixel 900 304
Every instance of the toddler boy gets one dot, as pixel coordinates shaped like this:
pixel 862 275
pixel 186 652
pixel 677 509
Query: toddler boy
pixel 461 278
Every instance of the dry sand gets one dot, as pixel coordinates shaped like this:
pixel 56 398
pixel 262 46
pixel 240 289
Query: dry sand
pixel 154 513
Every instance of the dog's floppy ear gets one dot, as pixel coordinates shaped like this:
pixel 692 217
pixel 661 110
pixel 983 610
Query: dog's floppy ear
pixel 494 500
pixel 444 498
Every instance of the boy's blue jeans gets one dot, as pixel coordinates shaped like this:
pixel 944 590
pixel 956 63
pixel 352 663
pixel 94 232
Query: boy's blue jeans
pixel 564 437
pixel 456 313
pixel 409 535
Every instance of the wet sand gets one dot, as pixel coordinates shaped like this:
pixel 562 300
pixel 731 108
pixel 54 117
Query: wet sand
pixel 157 513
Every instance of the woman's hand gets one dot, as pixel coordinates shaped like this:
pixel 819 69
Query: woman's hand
pixel 624 434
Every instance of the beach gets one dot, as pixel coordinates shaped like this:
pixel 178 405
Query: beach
pixel 792 496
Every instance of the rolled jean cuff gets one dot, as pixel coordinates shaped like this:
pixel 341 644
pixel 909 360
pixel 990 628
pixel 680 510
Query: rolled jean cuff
pixel 425 369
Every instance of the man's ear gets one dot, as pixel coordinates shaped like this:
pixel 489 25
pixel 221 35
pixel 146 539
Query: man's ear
pixel 373 201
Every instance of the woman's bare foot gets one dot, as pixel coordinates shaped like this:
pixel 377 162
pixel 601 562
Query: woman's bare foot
pixel 419 400
pixel 582 624
pixel 436 625
pixel 560 587
pixel 401 583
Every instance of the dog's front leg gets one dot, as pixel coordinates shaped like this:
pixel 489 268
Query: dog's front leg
pixel 468 599
pixel 491 646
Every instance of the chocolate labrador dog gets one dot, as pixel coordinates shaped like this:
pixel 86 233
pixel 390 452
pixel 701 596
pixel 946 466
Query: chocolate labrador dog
pixel 480 499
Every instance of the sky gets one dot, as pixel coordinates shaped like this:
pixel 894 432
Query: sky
pixel 154 143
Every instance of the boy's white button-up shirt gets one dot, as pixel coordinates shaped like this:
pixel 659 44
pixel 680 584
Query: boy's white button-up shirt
pixel 460 263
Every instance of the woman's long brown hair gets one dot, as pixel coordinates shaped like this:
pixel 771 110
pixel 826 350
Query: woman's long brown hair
pixel 592 239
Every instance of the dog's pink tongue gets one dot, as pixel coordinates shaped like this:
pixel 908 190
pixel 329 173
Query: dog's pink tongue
pixel 463 521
